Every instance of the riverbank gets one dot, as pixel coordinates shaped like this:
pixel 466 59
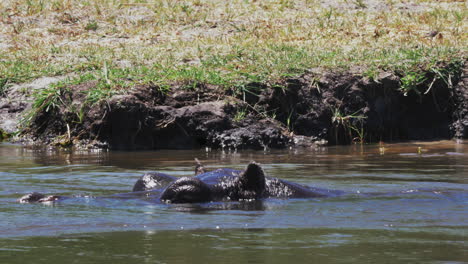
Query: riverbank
pixel 315 108
pixel 274 74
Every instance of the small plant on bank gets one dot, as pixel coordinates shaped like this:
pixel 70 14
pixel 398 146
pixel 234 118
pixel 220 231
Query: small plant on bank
pixel 447 73
pixel 360 4
pixel 372 73
pixel 352 124
pixel 3 135
pixel 3 86
pixel 411 81
pixel 47 99
pixel 92 25
pixel 240 115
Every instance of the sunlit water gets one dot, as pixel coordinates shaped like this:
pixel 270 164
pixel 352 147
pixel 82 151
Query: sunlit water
pixel 402 203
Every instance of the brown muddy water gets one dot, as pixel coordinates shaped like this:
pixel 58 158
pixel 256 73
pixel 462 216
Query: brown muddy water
pixel 402 203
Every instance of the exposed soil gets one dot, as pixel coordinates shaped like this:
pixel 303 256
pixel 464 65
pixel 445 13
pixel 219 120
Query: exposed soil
pixel 316 108
pixel 16 100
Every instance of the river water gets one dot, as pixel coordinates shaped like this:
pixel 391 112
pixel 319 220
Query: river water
pixel 402 203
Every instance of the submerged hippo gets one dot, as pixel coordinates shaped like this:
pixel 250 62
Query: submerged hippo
pixel 218 185
pixel 226 185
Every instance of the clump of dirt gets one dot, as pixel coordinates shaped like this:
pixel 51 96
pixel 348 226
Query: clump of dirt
pixel 315 108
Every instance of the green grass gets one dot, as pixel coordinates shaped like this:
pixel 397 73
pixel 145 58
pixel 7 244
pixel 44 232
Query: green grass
pixel 352 124
pixel 3 135
pixel 93 25
pixel 122 43
pixel 3 86
pixel 411 81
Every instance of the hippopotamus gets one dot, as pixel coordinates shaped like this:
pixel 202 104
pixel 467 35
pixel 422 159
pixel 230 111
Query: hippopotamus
pixel 209 186
pixel 226 185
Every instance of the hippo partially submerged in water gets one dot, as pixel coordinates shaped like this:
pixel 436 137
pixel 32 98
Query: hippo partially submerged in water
pixel 218 185
pixel 225 185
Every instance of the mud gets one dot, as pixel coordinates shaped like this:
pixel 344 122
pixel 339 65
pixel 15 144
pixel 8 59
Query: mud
pixel 313 109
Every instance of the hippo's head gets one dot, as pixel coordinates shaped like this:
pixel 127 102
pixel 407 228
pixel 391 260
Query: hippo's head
pixel 151 181
pixel 36 197
pixel 187 190
pixel 250 184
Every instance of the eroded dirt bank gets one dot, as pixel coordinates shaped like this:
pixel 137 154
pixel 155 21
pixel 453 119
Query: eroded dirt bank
pixel 315 108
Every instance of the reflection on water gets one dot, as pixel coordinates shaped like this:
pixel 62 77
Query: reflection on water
pixel 404 202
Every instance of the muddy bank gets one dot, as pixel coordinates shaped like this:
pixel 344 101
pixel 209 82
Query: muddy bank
pixel 315 108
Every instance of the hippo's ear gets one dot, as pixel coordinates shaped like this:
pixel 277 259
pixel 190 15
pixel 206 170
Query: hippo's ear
pixel 199 168
pixel 253 178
